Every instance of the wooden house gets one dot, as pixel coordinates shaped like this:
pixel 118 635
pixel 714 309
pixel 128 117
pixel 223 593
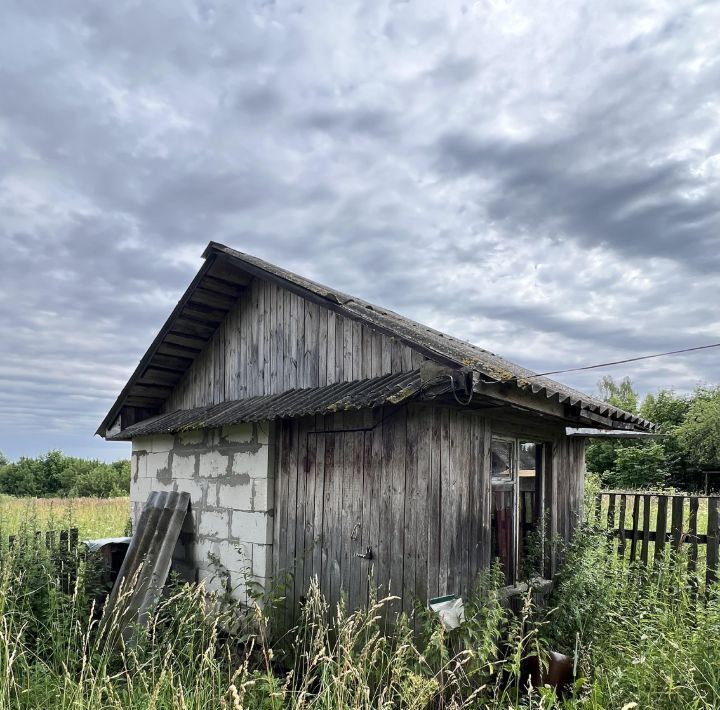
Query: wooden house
pixel 320 434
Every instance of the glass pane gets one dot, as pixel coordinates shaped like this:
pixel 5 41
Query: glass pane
pixel 529 509
pixel 502 460
pixel 501 528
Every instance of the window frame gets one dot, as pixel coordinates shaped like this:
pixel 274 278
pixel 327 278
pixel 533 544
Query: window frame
pixel 542 503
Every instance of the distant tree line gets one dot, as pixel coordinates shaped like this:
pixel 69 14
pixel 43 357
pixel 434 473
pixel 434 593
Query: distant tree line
pixel 690 445
pixel 54 474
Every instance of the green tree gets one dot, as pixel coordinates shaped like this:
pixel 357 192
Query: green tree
pixel 643 466
pixel 666 409
pixel 620 394
pixel 699 434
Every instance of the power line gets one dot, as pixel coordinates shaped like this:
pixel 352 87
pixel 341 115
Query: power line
pixel 621 362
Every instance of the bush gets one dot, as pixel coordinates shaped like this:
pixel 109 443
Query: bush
pixel 55 474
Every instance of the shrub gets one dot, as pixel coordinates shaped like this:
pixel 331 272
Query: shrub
pixel 54 474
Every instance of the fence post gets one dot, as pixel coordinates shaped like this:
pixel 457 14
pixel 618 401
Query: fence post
pixel 621 527
pixel 647 501
pixel 661 527
pixel 611 522
pixel 635 523
pixel 712 543
pixel 676 529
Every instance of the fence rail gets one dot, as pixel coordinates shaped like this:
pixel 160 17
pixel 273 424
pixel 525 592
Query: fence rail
pixel 660 518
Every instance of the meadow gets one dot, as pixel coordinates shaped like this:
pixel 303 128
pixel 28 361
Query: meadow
pixel 638 637
pixel 94 517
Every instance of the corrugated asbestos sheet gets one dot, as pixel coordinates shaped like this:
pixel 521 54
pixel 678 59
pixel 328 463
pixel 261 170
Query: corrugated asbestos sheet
pixel 342 396
pixel 146 566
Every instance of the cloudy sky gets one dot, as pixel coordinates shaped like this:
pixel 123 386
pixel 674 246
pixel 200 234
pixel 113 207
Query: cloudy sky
pixel 539 178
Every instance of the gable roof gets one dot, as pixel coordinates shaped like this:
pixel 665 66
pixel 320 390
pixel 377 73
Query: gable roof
pixel 226 274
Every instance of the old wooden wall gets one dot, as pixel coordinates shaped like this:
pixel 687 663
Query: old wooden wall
pixel 272 341
pixel 413 484
pixel 408 482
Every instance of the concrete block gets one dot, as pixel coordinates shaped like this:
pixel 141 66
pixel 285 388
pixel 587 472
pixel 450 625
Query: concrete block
pixel 142 443
pixel 255 465
pixel 157 462
pixel 262 560
pixel 140 460
pixel 235 556
pixel 263 432
pixel 214 523
pixel 237 496
pixel 191 438
pixel 213 582
pixel 213 464
pixel 183 465
pixel 197 490
pixel 162 443
pixel 262 494
pixel 140 489
pixel 251 527
pixel 238 433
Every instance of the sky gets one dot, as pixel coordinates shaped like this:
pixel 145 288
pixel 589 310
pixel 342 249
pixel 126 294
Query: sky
pixel 541 179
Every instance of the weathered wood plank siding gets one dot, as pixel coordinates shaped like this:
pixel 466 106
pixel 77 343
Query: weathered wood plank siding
pixel 413 485
pixel 272 341
pixel 408 483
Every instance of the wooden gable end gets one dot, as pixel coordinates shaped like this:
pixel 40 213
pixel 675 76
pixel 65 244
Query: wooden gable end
pixel 272 341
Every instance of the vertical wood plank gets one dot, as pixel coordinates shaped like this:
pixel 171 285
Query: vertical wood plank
pixel 322 348
pixel 621 527
pixel 676 529
pixel 434 506
pixel 661 527
pixel 302 475
pixel 310 493
pixel 486 495
pixel 713 530
pixel 376 345
pixel 319 555
pixel 348 373
pixel 635 524
pixel 647 501
pixel 611 522
pixel 329 519
pixel 374 463
pixel 368 504
pixel 692 531
pixel 411 503
pixel 395 446
pixel 386 355
pixel 447 501
pixel 331 370
pixel 422 505
pixel 355 473
pixel 311 358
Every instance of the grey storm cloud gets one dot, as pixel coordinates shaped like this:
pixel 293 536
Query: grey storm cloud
pixel 539 178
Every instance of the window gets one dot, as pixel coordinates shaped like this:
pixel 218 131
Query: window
pixel 517 530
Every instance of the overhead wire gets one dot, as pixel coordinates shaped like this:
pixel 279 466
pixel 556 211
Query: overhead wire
pixel 613 362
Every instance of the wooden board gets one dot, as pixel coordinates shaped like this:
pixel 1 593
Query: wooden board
pixel 272 341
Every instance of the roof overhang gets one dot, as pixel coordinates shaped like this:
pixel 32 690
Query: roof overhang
pixel 225 275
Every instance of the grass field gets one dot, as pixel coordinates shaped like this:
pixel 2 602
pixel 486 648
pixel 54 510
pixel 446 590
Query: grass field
pixel 94 517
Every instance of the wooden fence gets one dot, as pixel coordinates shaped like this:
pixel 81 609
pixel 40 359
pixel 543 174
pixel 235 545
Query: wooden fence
pixel 62 540
pixel 660 518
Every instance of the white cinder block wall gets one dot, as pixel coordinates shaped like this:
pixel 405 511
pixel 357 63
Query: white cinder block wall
pixel 229 475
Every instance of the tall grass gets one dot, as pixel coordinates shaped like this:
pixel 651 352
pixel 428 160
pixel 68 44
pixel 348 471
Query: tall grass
pixel 637 636
pixel 94 517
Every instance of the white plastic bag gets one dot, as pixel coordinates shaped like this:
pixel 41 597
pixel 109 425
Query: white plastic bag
pixel 450 609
